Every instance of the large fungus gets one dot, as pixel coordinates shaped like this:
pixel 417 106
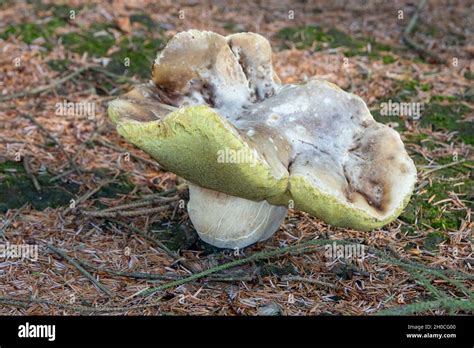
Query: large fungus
pixel 216 114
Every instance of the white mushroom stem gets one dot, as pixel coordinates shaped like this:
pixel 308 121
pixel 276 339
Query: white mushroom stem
pixel 232 222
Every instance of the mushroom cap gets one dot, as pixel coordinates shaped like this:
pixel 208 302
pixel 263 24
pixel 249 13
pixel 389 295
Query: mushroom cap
pixel 236 130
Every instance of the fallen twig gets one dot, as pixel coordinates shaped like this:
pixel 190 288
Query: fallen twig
pixel 427 284
pixel 9 220
pixel 409 265
pixel 142 202
pixel 132 213
pixel 159 243
pixel 25 302
pixel 154 276
pixel 137 275
pixel 421 307
pixel 308 280
pixel 29 173
pixel 411 43
pixel 122 150
pixel 78 151
pixel 41 89
pixel 112 75
pixel 56 141
pixel 175 189
pixel 428 172
pixel 299 248
pixel 80 268
pixel 18 141
pixel 58 82
pixel 61 175
pixel 87 195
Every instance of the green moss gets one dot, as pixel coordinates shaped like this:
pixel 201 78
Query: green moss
pixel 430 30
pixel 143 19
pixel 234 27
pixel 425 87
pixel 388 59
pixel 63 12
pixel 135 55
pixel 468 94
pixel 449 117
pixel 337 38
pixel 59 64
pixel 114 189
pixel 57 10
pixel 173 237
pixel 415 138
pixel 441 98
pixel 388 119
pixel 409 230
pixel 95 42
pixel 453 170
pixel 29 31
pixel 469 75
pixel 180 237
pixel 312 36
pixel 413 85
pixel 303 37
pixel 409 246
pixel 433 239
pixel 52 16
pixel 16 189
pixel 419 211
pixel 407 90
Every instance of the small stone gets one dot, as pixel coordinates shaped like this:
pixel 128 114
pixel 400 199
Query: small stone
pixel 271 309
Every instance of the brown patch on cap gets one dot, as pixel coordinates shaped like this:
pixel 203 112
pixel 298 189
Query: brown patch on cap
pixel 254 54
pixel 194 59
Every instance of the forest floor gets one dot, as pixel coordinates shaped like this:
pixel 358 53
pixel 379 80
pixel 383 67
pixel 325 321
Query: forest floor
pixel 55 168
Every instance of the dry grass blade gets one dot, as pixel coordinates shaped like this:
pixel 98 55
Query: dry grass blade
pixel 156 200
pixel 38 90
pixel 132 213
